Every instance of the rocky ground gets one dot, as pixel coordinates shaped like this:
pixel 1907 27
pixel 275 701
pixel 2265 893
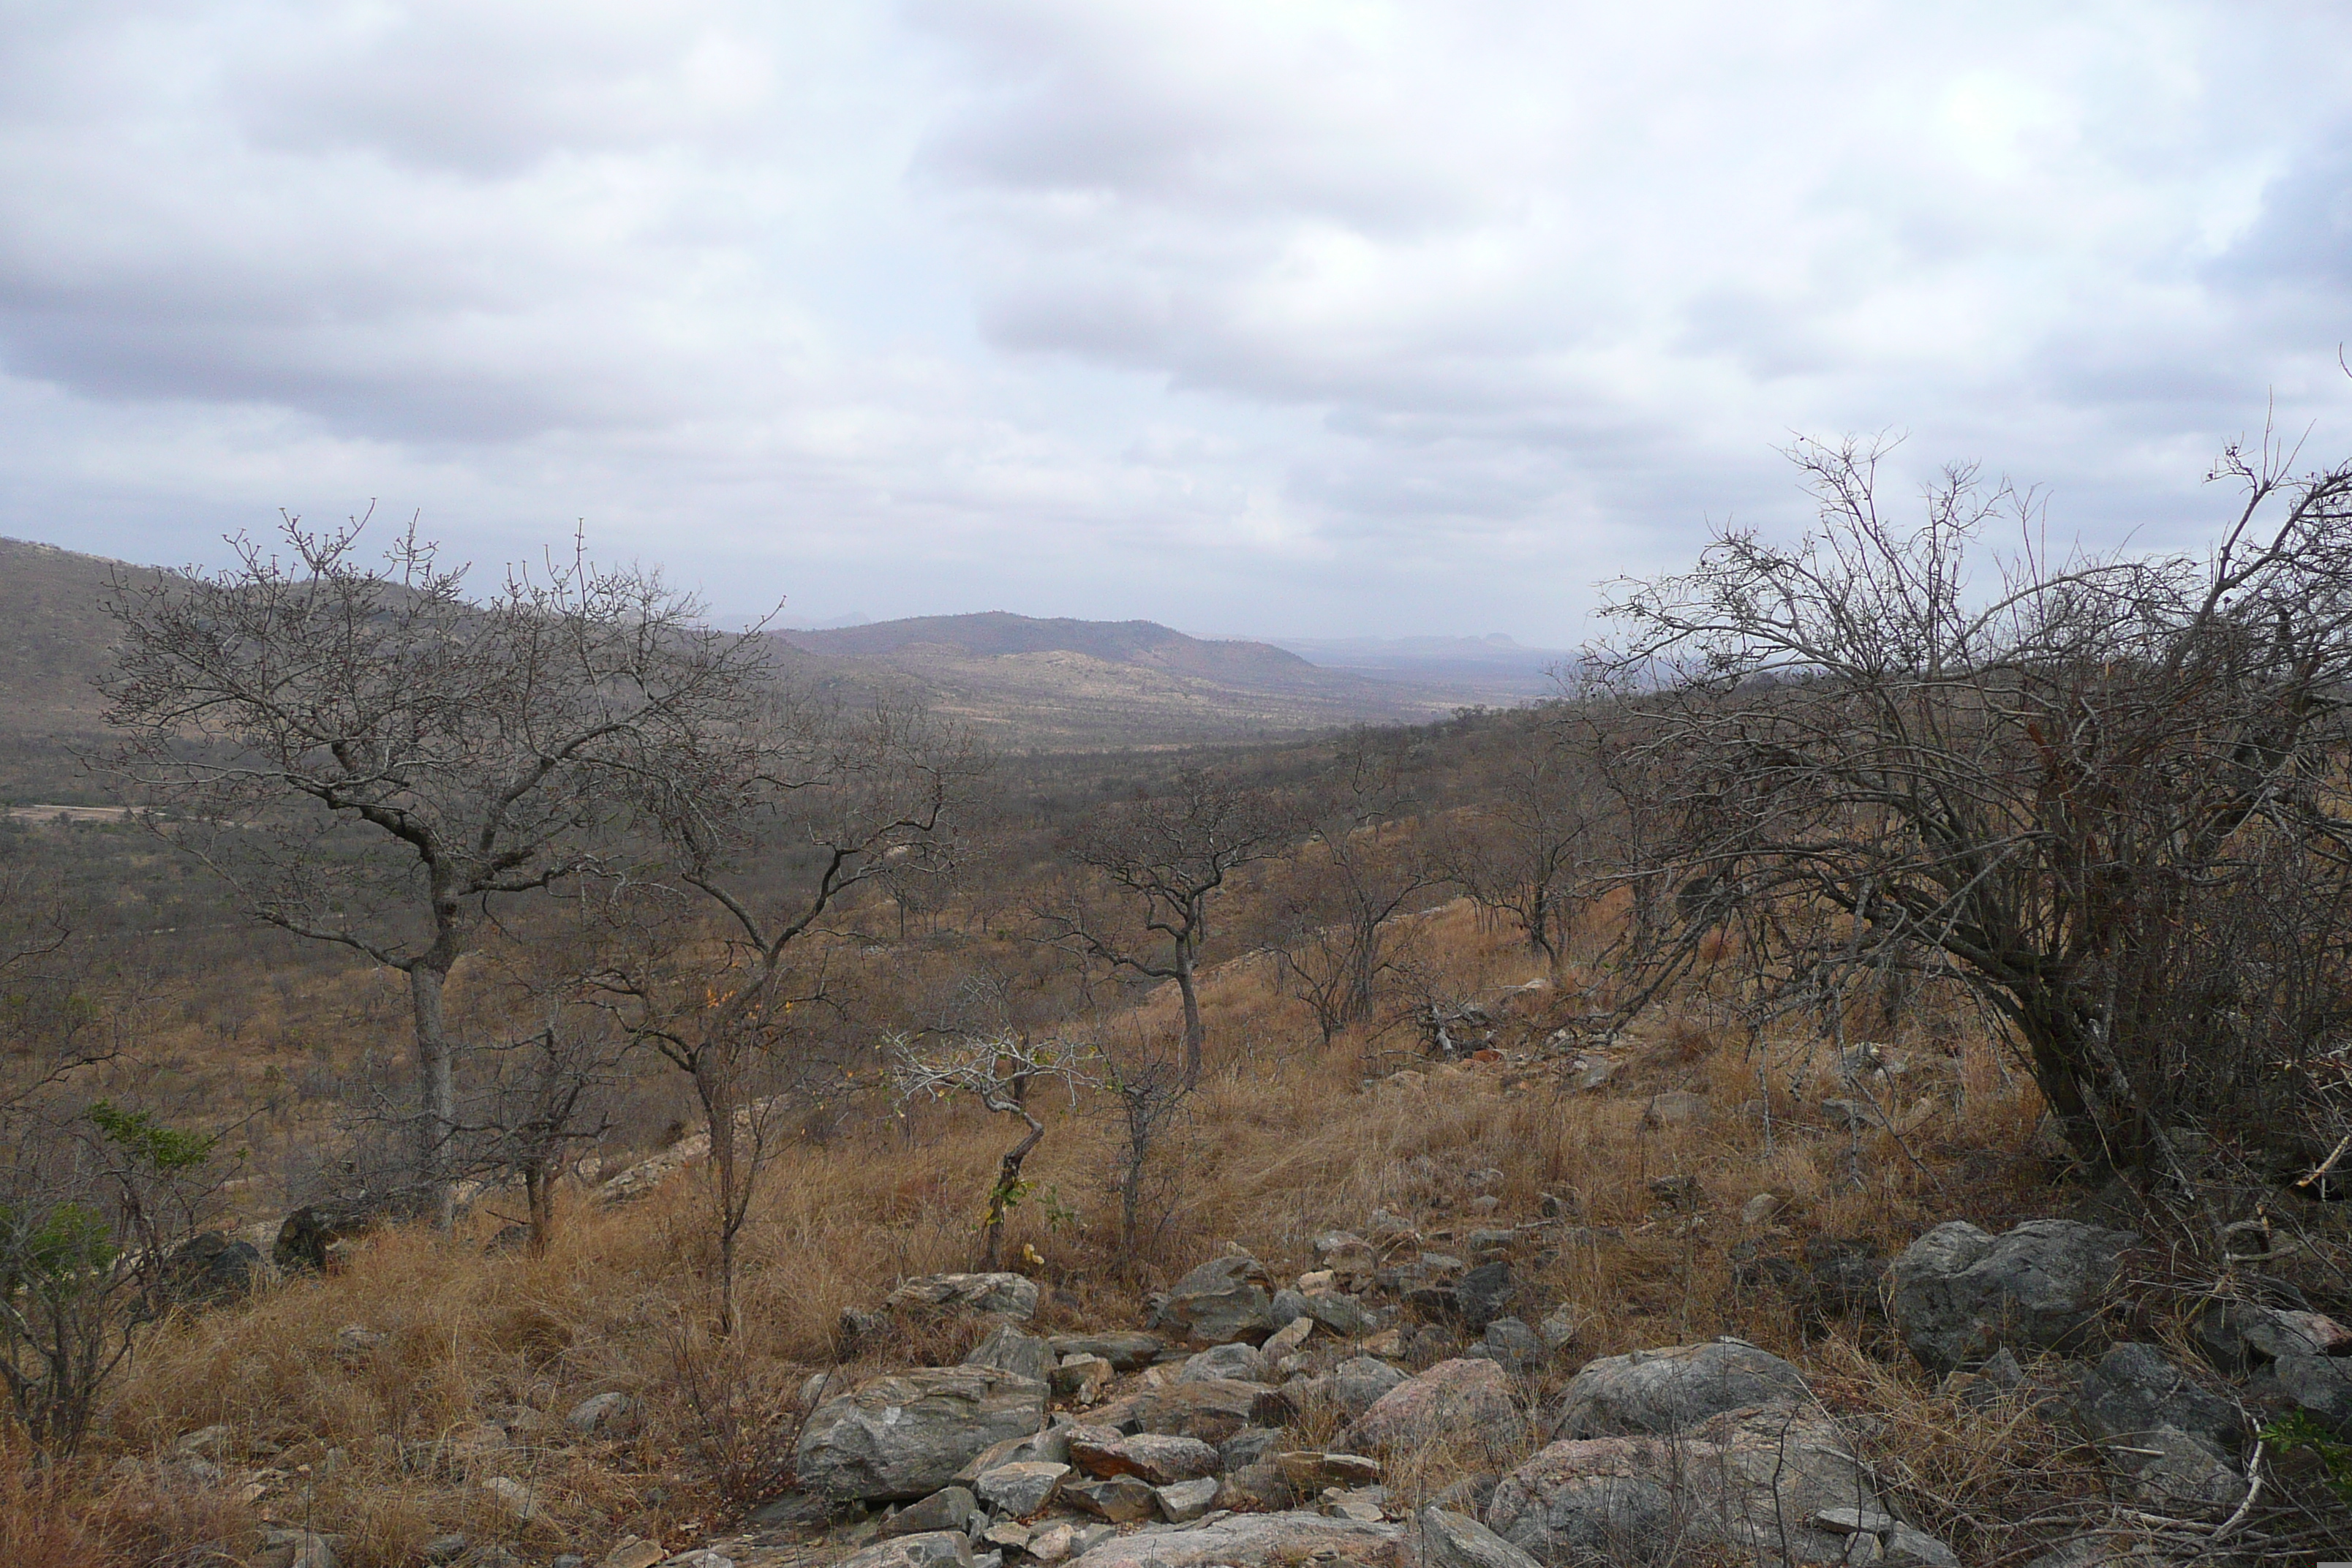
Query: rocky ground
pixel 1188 1441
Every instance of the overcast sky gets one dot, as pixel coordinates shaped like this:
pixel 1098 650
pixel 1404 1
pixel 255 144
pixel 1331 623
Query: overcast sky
pixel 1344 319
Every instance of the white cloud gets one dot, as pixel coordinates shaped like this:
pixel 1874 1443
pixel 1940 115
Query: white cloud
pixel 1325 318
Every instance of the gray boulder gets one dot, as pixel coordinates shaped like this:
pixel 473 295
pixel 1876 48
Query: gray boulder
pixel 1121 1499
pixel 2320 1385
pixel 1237 1361
pixel 1746 1482
pixel 1224 1299
pixel 605 1412
pixel 213 1267
pixel 2239 1336
pixel 1357 1383
pixel 1007 1348
pixel 908 1436
pixel 1340 1313
pixel 1022 1488
pixel 1466 1403
pixel 1665 1391
pixel 1960 1294
pixel 1010 1294
pixel 939 1549
pixel 1510 1344
pixel 2136 1388
pixel 1254 1541
pixel 1455 1541
pixel 1481 1295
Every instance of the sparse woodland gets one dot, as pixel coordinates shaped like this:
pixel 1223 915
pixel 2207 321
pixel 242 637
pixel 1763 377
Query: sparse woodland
pixel 561 1003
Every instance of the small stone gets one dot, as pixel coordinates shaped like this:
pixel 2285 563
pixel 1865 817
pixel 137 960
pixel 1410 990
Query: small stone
pixel 1678 1192
pixel 1081 1379
pixel 1052 1543
pixel 1122 1499
pixel 1561 1326
pixel 567 1560
pixel 1310 1470
pixel 1010 1534
pixel 1287 1341
pixel 949 1508
pixel 1020 1489
pixel 1340 1313
pixel 599 1412
pixel 1514 1346
pixel 514 1495
pixel 1762 1209
pixel 1367 1505
pixel 1188 1500
pixel 1388 1342
pixel 629 1552
pixel 1316 1279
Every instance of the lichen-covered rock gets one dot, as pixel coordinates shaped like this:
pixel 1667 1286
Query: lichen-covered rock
pixel 1212 1410
pixel 908 1436
pixel 1749 1481
pixel 1224 1299
pixel 1010 1294
pixel 1007 1348
pixel 1669 1390
pixel 939 1549
pixel 1237 1362
pixel 1450 1540
pixel 1020 1488
pixel 1960 1294
pixel 1463 1401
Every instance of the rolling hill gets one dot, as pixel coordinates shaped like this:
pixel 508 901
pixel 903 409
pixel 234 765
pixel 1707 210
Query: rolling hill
pixel 1058 684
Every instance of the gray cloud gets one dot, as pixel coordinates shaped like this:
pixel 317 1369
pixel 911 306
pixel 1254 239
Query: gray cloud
pixel 1354 317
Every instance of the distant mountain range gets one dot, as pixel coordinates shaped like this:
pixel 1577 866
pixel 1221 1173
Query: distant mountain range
pixel 1494 662
pixel 1047 684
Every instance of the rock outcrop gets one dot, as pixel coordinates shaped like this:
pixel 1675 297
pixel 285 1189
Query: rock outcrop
pixel 1666 1391
pixel 908 1436
pixel 1960 1294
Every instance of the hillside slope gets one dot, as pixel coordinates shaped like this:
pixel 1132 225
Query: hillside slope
pixel 1057 684
pixel 55 642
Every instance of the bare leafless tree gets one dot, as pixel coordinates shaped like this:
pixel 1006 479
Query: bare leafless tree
pixel 1364 863
pixel 1164 860
pixel 1000 1071
pixel 713 961
pixel 2103 794
pixel 1539 834
pixel 374 759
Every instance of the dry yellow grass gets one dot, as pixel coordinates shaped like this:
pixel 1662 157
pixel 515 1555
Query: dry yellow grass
pixel 479 1358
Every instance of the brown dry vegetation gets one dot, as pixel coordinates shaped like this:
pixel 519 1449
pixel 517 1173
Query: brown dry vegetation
pixel 385 1443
